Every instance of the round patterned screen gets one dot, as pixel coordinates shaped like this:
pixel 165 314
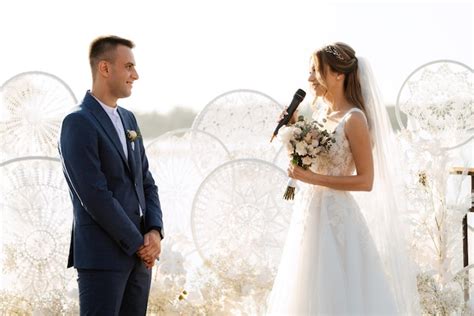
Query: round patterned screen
pixel 244 120
pixel 239 213
pixel 33 105
pixel 179 161
pixel 36 219
pixel 438 100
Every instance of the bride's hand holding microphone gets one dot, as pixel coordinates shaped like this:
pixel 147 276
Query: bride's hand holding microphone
pixel 290 112
pixel 293 118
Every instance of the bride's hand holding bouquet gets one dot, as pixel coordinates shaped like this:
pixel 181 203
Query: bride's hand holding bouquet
pixel 304 142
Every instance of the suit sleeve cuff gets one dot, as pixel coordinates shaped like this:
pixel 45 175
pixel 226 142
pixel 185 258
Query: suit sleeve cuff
pixel 159 230
pixel 131 248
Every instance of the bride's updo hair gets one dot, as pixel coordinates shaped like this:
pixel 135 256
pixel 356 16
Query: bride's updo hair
pixel 341 59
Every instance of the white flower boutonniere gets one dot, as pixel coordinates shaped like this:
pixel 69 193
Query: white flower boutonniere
pixel 132 136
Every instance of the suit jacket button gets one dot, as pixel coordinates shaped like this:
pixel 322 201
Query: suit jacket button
pixel 124 245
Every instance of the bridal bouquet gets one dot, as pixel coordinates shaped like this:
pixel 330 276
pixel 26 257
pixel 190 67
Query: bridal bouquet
pixel 304 141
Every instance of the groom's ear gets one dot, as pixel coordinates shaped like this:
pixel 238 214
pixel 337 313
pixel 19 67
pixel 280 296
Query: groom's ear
pixel 103 68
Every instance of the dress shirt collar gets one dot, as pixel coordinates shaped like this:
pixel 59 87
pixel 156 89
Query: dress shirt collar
pixel 111 111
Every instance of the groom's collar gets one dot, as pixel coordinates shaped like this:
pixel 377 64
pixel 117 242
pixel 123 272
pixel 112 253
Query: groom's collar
pixel 111 111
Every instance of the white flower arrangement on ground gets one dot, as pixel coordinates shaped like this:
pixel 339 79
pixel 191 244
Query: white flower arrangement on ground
pixel 304 142
pixel 436 299
pixel 435 223
pixel 168 290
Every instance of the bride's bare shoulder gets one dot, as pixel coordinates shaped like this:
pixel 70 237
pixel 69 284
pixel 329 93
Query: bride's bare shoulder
pixel 356 125
pixel 356 116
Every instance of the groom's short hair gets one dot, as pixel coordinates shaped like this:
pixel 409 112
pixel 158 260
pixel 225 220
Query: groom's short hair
pixel 103 48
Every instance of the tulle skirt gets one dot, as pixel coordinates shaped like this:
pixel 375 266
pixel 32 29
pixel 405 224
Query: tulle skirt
pixel 329 265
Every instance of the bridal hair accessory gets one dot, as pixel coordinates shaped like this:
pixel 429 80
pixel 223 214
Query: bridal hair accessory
pixel 333 51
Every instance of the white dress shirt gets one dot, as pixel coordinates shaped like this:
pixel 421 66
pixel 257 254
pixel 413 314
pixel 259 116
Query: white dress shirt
pixel 117 121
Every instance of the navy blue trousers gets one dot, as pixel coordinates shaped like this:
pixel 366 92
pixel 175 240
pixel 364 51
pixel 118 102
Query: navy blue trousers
pixel 124 293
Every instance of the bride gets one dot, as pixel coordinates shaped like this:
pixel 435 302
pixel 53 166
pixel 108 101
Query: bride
pixel 342 257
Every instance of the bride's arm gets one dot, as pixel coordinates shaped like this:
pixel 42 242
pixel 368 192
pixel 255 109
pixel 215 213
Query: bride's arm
pixel 358 136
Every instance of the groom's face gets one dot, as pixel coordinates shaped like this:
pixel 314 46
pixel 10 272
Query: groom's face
pixel 122 72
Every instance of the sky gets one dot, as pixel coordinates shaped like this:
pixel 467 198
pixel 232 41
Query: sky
pixel 189 52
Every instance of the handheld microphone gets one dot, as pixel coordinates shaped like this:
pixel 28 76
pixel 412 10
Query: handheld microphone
pixel 297 98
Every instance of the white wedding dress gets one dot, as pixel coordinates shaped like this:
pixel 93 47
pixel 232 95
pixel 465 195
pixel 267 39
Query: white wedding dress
pixel 330 265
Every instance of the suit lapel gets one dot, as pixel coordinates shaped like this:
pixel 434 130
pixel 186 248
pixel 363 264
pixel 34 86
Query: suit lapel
pixel 127 126
pixel 133 153
pixel 94 107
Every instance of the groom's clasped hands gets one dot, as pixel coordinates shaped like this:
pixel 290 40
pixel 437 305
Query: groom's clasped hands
pixel 151 248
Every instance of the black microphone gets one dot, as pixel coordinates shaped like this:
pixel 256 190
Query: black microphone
pixel 297 98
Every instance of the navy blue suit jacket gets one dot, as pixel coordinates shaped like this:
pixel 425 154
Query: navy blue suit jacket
pixel 106 188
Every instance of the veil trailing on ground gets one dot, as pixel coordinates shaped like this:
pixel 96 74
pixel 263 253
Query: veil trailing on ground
pixel 383 207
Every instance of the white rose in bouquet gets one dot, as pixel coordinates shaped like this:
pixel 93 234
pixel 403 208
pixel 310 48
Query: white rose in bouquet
pixel 301 148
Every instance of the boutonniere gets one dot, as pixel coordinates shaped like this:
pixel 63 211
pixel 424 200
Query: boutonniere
pixel 132 136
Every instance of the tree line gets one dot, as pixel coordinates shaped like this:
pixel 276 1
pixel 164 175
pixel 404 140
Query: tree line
pixel 154 124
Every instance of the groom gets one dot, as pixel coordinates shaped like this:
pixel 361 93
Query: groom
pixel 118 227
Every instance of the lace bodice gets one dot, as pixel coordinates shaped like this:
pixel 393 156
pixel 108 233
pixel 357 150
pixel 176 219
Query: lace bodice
pixel 338 161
